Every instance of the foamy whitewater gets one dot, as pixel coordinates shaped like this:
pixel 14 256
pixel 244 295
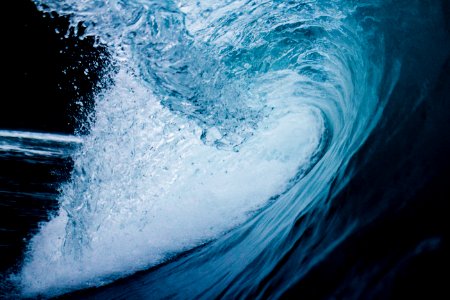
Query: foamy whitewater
pixel 222 121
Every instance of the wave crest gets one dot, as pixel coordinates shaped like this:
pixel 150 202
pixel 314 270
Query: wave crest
pixel 215 111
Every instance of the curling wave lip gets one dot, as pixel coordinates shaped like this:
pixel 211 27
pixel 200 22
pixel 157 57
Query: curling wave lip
pixel 214 110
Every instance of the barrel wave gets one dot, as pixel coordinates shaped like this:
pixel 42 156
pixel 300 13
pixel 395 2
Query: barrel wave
pixel 221 138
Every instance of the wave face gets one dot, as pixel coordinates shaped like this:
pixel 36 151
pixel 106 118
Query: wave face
pixel 223 123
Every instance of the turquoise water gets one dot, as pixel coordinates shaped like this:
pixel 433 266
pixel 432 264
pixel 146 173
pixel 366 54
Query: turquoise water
pixel 228 127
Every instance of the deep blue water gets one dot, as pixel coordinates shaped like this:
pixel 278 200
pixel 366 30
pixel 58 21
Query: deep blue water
pixel 227 149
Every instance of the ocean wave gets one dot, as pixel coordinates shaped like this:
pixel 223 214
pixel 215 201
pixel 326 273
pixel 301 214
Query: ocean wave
pixel 225 123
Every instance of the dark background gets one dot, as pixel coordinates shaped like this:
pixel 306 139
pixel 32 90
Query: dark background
pixel 44 74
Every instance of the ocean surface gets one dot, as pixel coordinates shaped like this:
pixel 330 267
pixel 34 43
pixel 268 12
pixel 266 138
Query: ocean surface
pixel 238 149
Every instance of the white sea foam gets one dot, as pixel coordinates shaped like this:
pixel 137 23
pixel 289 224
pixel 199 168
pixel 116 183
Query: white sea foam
pixel 145 186
pixel 225 106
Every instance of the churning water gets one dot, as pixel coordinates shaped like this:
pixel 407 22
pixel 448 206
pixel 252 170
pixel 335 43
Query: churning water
pixel 228 127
